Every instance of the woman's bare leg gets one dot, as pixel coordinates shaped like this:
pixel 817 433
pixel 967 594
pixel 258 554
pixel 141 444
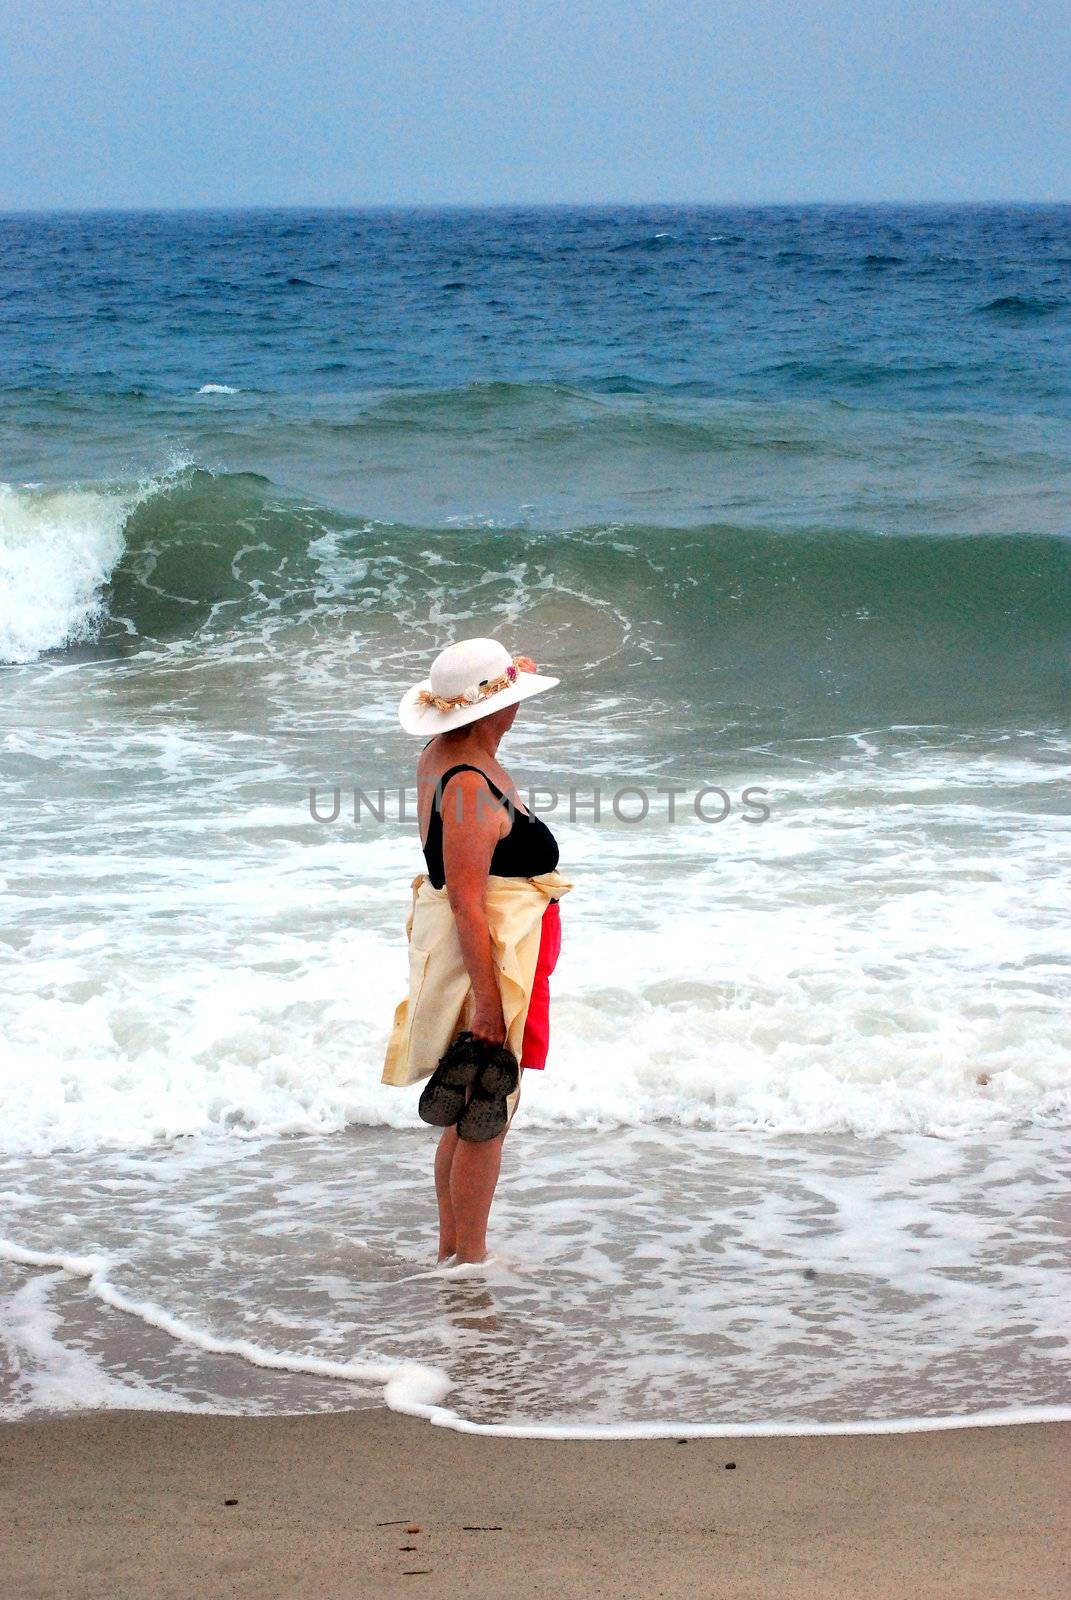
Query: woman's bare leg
pixel 466 1175
pixel 444 1156
pixel 473 1176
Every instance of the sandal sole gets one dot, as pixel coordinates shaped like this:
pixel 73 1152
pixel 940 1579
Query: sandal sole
pixel 443 1100
pixel 487 1114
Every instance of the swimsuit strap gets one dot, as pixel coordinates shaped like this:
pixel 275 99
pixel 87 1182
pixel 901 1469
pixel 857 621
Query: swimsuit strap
pixel 462 766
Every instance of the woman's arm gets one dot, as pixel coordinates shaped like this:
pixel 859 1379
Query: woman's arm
pixel 472 826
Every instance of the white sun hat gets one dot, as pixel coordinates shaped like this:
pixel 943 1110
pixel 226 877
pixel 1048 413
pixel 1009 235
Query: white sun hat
pixel 468 680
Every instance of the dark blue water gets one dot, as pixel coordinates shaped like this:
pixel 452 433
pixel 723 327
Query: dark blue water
pixel 928 306
pixel 706 423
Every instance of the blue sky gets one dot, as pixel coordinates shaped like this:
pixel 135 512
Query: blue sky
pixel 261 102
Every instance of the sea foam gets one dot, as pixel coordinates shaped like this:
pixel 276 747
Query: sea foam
pixel 57 550
pixel 795 1287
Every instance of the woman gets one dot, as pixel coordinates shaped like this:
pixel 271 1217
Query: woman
pixel 477 838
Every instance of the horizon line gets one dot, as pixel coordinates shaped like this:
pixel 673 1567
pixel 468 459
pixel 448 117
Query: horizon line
pixel 270 207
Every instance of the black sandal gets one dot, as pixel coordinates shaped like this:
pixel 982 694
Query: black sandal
pixel 487 1114
pixel 443 1099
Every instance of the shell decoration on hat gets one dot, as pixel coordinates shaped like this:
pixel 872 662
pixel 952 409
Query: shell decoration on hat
pixel 474 693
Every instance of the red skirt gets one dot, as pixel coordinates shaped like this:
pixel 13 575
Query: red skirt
pixel 536 1040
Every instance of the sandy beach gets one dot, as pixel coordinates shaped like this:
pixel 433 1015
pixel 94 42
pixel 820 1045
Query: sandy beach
pixel 371 1503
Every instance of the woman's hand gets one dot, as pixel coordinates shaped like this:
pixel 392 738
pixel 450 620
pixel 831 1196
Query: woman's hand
pixel 489 1026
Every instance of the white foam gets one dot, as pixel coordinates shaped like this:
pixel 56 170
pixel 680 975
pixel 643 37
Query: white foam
pixel 879 956
pixel 217 388
pixel 55 1374
pixel 73 1381
pixel 1010 1417
pixel 406 1386
pixel 57 550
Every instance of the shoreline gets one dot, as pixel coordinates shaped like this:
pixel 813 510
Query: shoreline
pixel 316 1507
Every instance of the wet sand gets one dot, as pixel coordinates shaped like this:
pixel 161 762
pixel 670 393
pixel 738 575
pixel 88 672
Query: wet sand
pixel 123 1505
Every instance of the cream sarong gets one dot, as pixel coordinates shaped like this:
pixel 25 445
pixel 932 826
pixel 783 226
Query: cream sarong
pixel 440 1001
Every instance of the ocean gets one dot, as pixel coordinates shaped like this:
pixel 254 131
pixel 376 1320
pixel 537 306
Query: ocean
pixel 781 495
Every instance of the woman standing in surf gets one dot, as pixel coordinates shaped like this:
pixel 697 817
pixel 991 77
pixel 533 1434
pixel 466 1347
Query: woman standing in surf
pixel 484 930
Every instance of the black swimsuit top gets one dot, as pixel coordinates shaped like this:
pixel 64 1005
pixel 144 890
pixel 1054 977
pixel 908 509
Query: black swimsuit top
pixel 528 849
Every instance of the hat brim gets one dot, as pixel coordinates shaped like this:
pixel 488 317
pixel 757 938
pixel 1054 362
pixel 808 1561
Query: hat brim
pixel 420 719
